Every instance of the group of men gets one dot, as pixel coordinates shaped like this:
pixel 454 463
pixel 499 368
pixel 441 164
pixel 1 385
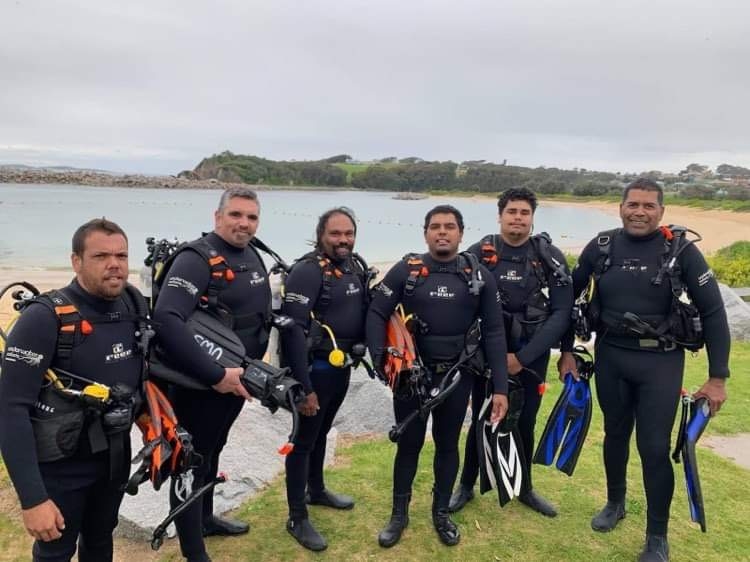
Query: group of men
pixel 70 494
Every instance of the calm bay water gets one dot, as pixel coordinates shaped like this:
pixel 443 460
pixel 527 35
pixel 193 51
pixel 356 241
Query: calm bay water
pixel 37 221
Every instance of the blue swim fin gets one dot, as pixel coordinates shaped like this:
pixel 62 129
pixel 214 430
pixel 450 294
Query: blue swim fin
pixel 568 423
pixel 688 435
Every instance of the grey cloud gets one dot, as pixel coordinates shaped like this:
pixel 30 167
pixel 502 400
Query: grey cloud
pixel 155 86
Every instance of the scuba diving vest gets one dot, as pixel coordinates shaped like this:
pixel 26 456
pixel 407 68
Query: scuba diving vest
pixel 521 326
pixel 319 340
pixel 221 275
pixel 682 327
pixel 69 404
pixel 444 351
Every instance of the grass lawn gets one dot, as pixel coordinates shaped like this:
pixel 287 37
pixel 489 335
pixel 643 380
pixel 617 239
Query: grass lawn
pixel 363 468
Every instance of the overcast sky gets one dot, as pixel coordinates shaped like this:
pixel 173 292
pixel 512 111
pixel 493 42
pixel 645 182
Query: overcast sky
pixel 154 86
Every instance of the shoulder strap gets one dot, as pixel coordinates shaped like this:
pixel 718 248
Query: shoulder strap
pixel 604 242
pixel 70 322
pixel 469 267
pixel 488 251
pixel 220 272
pixel 676 241
pixel 541 244
pixel 417 269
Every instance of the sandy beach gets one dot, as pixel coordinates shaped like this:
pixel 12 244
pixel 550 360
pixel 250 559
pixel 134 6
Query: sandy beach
pixel 718 228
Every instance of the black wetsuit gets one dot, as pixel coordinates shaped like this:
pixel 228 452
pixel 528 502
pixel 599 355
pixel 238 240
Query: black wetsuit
pixel 639 384
pixel 442 301
pixel 345 315
pixel 81 485
pixel 206 414
pixel 517 279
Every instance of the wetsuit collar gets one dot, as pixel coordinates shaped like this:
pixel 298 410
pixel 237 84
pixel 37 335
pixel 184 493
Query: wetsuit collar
pixel 99 304
pixel 441 266
pixel 640 239
pixel 222 246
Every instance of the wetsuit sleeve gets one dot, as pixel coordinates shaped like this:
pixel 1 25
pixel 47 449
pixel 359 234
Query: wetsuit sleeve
pixel 386 296
pixel 184 284
pixel 301 291
pixel 493 332
pixel 581 272
pixel 30 349
pixel 704 292
pixel 556 325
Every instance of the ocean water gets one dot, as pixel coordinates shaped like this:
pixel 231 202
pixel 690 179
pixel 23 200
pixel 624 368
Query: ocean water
pixel 38 221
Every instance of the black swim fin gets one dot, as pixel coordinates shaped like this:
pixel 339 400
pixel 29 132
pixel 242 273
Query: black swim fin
pixel 568 424
pixel 500 449
pixel 688 435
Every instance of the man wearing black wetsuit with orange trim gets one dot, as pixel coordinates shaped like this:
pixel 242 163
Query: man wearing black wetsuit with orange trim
pixel 244 297
pixel 448 301
pixel 537 300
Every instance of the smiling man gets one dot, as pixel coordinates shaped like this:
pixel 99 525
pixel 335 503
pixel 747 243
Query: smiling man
pixel 326 294
pixel 223 274
pixel 642 331
pixel 68 464
pixel 537 296
pixel 449 292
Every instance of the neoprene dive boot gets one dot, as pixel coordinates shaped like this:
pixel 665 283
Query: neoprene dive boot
pixel 656 549
pixel 391 534
pixel 608 518
pixel 445 528
pixel 460 498
pixel 305 534
pixel 221 526
pixel 538 503
pixel 329 499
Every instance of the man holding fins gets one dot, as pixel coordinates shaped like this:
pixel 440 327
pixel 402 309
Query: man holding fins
pixel 631 280
pixel 224 275
pixel 326 294
pixel 72 367
pixel 445 293
pixel 537 298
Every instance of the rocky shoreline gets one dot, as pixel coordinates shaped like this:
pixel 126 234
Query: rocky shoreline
pixel 99 179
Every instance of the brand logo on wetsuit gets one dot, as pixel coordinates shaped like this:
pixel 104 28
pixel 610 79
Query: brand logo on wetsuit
pixel 512 276
pixel 442 293
pixel 212 348
pixel 119 353
pixel 352 290
pixel 256 279
pixel 31 358
pixel 180 283
pixel 385 289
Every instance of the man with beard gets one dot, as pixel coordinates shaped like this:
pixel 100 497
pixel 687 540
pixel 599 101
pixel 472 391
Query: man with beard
pixel 448 292
pixel 68 464
pixel 537 300
pixel 636 274
pixel 326 294
pixel 224 275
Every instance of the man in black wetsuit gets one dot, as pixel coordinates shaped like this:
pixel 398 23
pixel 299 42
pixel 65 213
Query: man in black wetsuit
pixel 537 294
pixel 326 296
pixel 639 375
pixel 222 273
pixel 67 465
pixel 447 300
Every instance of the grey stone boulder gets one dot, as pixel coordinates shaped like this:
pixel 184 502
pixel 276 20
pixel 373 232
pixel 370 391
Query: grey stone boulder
pixel 738 314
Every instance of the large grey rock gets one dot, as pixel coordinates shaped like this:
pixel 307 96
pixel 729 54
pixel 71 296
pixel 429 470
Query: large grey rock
pixel 738 314
pixel 368 407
